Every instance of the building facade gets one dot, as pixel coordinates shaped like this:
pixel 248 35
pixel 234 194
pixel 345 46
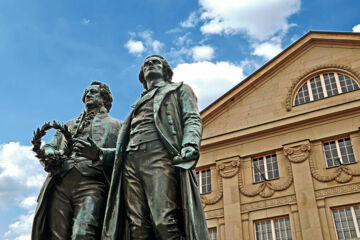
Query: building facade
pixel 280 155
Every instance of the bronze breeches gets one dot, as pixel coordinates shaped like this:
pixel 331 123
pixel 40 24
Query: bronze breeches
pixel 151 193
pixel 76 207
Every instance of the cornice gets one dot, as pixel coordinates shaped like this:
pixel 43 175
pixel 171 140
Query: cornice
pixel 283 124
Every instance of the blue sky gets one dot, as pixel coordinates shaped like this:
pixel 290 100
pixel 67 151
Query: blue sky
pixel 50 51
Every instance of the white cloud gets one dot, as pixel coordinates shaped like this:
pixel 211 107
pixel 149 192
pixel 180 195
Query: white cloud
pixel 21 228
pixel 258 18
pixel 29 203
pixel 85 21
pixel 268 50
pixel 202 53
pixel 178 55
pixel 135 47
pixel 209 80
pixel 174 30
pixel 147 43
pixel 184 40
pixel 20 173
pixel 191 21
pixel 157 46
pixel 356 28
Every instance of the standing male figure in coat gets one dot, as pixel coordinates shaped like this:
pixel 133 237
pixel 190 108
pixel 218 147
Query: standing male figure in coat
pixel 71 204
pixel 153 187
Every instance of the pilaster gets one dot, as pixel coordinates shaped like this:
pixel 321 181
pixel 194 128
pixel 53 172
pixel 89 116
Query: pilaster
pixel 228 170
pixel 298 154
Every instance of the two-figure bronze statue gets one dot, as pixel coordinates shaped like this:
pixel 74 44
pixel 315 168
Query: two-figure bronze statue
pixel 131 180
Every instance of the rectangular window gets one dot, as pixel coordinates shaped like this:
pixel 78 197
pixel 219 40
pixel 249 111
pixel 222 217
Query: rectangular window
pixel 273 229
pixel 265 168
pixel 213 233
pixel 346 221
pixel 339 152
pixel 204 180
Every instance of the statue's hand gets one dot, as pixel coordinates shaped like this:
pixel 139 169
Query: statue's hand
pixel 189 153
pixel 50 152
pixel 187 158
pixel 89 150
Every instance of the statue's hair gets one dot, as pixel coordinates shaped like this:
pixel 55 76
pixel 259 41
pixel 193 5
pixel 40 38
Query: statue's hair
pixel 104 92
pixel 168 73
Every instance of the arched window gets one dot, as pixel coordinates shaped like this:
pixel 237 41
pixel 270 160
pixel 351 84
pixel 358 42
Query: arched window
pixel 324 85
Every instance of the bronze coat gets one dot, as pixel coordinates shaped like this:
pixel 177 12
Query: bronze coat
pixel 178 122
pixel 105 131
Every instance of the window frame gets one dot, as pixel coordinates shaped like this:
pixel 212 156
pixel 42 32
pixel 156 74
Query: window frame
pixel 211 229
pixel 353 215
pixel 336 140
pixel 272 224
pixel 323 86
pixel 265 168
pixel 199 173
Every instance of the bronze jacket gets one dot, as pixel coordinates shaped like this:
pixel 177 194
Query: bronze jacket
pixel 178 122
pixel 105 131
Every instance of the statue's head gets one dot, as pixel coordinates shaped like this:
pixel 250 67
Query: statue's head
pixel 97 94
pixel 167 72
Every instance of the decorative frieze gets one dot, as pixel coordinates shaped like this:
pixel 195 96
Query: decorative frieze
pixel 266 188
pixel 341 174
pixel 228 169
pixel 274 202
pixel 338 190
pixel 297 153
pixel 207 200
pixel 214 213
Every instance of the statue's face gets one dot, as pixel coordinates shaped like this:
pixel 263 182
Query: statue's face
pixel 93 97
pixel 153 68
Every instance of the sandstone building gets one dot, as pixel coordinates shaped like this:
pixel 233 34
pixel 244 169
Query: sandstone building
pixel 280 155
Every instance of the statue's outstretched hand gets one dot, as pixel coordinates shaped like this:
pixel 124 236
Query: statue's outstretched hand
pixel 89 150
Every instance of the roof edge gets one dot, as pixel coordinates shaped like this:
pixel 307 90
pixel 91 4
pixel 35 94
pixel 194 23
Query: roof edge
pixel 272 60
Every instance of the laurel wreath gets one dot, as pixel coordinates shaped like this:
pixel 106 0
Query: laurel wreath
pixel 52 163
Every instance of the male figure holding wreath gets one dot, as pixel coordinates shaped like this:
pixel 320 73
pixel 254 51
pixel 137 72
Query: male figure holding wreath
pixel 71 203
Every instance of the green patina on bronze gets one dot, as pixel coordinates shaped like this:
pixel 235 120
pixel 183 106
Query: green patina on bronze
pixel 153 191
pixel 71 203
pixel 178 127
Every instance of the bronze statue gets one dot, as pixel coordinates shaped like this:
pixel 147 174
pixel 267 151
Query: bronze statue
pixel 72 201
pixel 153 192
